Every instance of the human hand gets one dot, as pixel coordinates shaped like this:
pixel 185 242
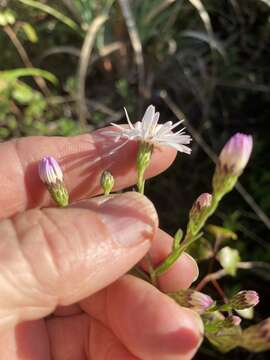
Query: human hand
pixel 63 291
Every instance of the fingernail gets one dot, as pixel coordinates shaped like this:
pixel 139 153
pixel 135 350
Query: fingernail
pixel 199 324
pixel 131 218
pixel 196 321
pixel 196 268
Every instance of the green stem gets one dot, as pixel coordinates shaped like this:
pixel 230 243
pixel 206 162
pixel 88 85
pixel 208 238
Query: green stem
pixel 151 270
pixel 141 182
pixel 136 271
pixel 171 259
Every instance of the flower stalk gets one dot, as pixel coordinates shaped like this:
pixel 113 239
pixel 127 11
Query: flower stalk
pixel 143 160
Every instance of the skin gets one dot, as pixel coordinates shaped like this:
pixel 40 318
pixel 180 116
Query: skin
pixel 64 292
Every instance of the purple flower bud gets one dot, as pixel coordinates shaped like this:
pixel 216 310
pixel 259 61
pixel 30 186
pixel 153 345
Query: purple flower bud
pixel 49 171
pixel 235 154
pixel 200 302
pixel 244 299
pixel 51 175
pixel 193 299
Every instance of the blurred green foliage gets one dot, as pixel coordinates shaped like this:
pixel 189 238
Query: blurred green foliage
pixel 214 67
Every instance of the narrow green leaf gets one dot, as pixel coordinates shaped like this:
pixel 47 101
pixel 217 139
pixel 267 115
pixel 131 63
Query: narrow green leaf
pixel 53 12
pixel 10 75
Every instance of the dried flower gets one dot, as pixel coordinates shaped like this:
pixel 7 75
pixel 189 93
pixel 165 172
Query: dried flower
pixel 193 299
pixel 52 176
pixel 148 130
pixel 256 338
pixel 244 300
pixel 107 182
pixel 235 154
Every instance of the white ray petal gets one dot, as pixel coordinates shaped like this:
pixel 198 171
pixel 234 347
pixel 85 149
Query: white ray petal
pixel 128 119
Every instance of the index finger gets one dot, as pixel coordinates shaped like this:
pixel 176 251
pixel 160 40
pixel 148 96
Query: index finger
pixel 83 158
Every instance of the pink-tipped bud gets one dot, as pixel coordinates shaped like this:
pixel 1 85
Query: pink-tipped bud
pixel 51 175
pixel 198 213
pixel 203 201
pixel 232 320
pixel 200 302
pixel 193 299
pixel 49 171
pixel 235 154
pixel 244 299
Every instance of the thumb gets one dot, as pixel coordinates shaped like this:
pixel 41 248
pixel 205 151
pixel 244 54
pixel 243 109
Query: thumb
pixel 56 257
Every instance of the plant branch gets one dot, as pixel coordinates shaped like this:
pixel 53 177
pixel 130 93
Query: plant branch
pixel 221 273
pixel 25 58
pixel 83 66
pixel 135 41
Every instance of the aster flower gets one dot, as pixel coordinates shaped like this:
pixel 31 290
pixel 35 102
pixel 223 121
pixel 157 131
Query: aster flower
pixel 148 130
pixel 51 175
pixel 149 133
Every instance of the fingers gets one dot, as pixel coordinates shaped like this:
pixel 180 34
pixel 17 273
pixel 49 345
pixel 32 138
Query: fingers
pixel 28 341
pixel 59 256
pixel 148 323
pixel 82 338
pixel 83 158
pixel 181 274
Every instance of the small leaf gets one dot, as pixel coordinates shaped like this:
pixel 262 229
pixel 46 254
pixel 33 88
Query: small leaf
pixel 229 258
pixel 22 93
pixel 30 32
pixel 201 250
pixel 177 239
pixel 246 313
pixel 222 232
pixel 9 75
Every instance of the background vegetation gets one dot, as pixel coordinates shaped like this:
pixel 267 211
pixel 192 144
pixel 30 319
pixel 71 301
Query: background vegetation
pixel 70 66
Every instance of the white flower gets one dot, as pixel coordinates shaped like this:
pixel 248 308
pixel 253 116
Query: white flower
pixel 148 130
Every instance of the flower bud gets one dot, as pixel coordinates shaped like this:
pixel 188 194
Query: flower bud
pixel 49 171
pixel 193 299
pixel 107 182
pixel 203 201
pixel 244 300
pixel 232 320
pixel 235 154
pixel 52 176
pixel 256 338
pixel 232 161
pixel 198 212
